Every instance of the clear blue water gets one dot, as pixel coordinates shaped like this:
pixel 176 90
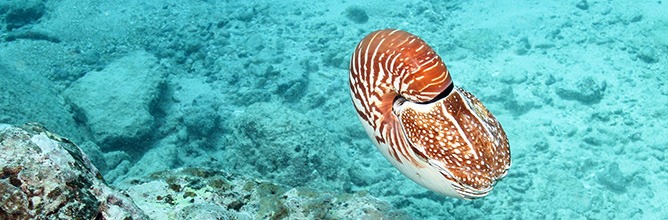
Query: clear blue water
pixel 260 88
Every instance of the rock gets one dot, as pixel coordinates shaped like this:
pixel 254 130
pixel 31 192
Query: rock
pixel 586 90
pixel 116 102
pixel 648 55
pixel 635 17
pixel 568 214
pixel 119 171
pixel 517 102
pixel 20 13
pixel 356 14
pixel 201 115
pixel 513 75
pixel 162 156
pixel 45 176
pixel 612 178
pixel 200 193
pixel 583 5
pixel 292 88
pixel 522 46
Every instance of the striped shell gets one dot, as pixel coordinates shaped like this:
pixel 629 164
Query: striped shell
pixel 434 132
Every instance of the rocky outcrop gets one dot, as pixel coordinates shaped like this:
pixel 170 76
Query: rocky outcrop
pixel 116 102
pixel 45 176
pixel 200 193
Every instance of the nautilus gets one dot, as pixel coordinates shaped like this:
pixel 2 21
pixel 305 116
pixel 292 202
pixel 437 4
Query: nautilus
pixel 434 132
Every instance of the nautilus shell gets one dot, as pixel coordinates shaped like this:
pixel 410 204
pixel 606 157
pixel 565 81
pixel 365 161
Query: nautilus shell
pixel 434 132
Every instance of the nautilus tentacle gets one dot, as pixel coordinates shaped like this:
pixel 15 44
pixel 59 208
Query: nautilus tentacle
pixel 434 132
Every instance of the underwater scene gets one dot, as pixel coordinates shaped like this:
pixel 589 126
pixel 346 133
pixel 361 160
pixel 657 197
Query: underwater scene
pixel 218 109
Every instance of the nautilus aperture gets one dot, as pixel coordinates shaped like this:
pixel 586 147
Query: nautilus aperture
pixel 434 132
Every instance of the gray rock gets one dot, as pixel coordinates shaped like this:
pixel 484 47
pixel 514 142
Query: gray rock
pixel 45 176
pixel 586 90
pixel 16 14
pixel 356 14
pixel 583 5
pixel 648 55
pixel 116 102
pixel 522 46
pixel 612 178
pixel 201 115
pixel 162 156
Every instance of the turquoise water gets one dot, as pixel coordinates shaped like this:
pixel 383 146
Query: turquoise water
pixel 261 89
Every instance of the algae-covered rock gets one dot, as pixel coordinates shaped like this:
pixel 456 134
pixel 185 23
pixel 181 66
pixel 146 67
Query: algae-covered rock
pixel 116 102
pixel 200 193
pixel 45 176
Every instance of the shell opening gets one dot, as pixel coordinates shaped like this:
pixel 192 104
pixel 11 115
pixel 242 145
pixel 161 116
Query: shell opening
pixel 441 95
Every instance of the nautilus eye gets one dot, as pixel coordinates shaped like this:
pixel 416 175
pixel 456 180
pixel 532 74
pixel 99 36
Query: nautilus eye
pixel 434 132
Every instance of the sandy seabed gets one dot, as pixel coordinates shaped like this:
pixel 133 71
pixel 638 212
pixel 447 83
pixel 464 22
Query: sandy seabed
pixel 260 88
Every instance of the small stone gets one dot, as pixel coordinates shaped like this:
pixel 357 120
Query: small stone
pixel 583 5
pixel 586 90
pixel 612 178
pixel 523 46
pixel 356 14
pixel 648 55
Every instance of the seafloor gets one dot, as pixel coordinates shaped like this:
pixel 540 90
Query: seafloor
pixel 260 89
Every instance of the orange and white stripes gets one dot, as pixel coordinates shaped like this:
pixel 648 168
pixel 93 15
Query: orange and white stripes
pixel 388 63
pixel 436 133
